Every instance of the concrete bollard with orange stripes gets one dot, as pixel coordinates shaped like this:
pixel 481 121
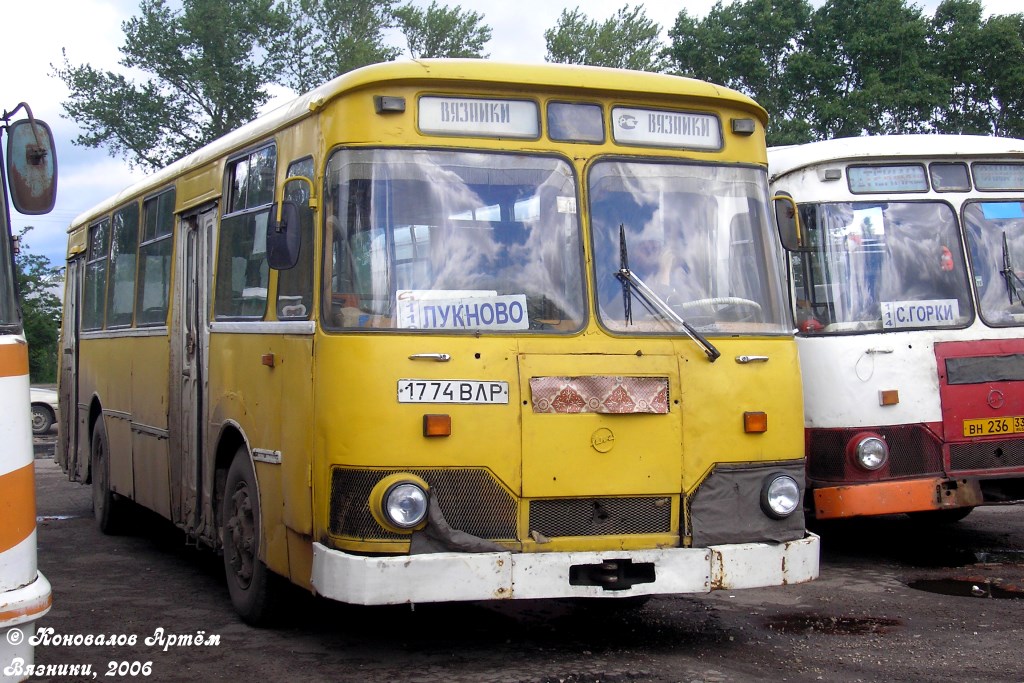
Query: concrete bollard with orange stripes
pixel 24 592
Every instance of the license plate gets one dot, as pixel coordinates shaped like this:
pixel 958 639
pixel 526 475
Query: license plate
pixel 451 391
pixel 994 426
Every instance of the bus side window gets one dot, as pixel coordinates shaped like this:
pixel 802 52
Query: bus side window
pixel 96 275
pixel 242 270
pixel 295 286
pixel 121 280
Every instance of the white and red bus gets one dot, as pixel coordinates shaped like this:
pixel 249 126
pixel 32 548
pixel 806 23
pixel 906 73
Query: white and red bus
pixel 905 272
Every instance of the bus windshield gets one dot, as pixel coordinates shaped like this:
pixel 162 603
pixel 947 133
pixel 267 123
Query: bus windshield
pixel 881 266
pixel 697 236
pixel 452 241
pixel 995 236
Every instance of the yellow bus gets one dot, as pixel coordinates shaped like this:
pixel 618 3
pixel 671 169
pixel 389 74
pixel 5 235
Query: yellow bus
pixel 30 172
pixel 451 330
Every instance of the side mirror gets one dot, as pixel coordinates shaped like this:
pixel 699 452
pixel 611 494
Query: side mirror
pixel 31 167
pixel 284 238
pixel 788 221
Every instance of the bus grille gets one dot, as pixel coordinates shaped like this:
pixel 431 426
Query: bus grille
pixel 601 516
pixel 470 499
pixel 913 451
pixel 986 455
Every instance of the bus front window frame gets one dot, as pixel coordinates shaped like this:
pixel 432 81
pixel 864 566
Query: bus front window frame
pixel 871 262
pixel 698 235
pixel 988 223
pixel 427 241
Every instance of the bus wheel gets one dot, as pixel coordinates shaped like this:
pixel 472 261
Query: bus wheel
pixel 252 586
pixel 107 507
pixel 950 516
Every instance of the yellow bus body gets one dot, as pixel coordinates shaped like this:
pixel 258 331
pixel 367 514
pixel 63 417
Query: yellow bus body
pixel 316 409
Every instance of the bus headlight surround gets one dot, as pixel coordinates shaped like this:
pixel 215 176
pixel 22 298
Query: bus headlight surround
pixel 870 451
pixel 780 495
pixel 400 502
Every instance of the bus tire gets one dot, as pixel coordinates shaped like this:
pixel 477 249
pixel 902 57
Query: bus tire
pixel 107 506
pixel 253 587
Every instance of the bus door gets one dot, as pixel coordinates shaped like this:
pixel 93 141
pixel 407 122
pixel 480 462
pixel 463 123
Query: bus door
pixel 189 343
pixel 67 426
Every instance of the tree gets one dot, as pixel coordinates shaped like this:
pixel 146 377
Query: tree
pixel 866 70
pixel 954 35
pixel 629 40
pixel 981 64
pixel 1004 64
pixel 326 38
pixel 443 31
pixel 205 76
pixel 747 46
pixel 41 309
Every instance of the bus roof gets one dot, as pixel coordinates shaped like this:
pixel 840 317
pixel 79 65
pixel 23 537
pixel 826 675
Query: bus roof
pixel 460 72
pixel 785 160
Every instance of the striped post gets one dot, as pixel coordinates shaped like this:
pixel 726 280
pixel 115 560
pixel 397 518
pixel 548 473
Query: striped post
pixel 24 592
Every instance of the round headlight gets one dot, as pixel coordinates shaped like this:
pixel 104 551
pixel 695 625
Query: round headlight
pixel 780 496
pixel 872 452
pixel 405 504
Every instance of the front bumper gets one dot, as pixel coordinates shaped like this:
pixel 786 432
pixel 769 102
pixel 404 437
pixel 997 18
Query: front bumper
pixel 895 497
pixel 450 577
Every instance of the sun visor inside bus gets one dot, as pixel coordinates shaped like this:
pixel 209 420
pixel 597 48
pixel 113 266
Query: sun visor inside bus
pixel 985 369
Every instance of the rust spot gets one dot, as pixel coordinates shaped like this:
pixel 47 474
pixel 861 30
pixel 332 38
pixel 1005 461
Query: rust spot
pixel 831 625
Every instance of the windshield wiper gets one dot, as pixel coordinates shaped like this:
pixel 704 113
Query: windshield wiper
pixel 1014 284
pixel 652 302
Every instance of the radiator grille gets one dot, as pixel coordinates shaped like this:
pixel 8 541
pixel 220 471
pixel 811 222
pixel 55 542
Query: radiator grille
pixel 986 455
pixel 913 451
pixel 601 516
pixel 470 499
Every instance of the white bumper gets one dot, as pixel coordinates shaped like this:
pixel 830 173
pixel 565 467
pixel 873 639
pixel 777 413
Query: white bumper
pixel 19 610
pixel 448 577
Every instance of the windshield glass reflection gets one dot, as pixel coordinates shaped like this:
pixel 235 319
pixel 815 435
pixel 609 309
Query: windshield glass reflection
pixel 995 235
pixel 452 241
pixel 697 236
pixel 880 266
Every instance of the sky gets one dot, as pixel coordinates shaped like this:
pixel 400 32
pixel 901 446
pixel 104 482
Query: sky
pixel 36 32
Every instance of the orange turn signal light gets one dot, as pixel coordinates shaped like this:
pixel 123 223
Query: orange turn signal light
pixel 888 397
pixel 755 422
pixel 437 425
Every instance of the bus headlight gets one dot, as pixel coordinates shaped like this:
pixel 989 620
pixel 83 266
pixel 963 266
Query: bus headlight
pixel 871 452
pixel 400 502
pixel 405 505
pixel 780 495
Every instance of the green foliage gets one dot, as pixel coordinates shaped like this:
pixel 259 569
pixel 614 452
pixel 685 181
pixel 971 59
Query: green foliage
pixel 981 64
pixel 848 68
pixel 204 71
pixel 326 38
pixel 41 309
pixel 629 40
pixel 865 67
pixel 746 46
pixel 443 31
